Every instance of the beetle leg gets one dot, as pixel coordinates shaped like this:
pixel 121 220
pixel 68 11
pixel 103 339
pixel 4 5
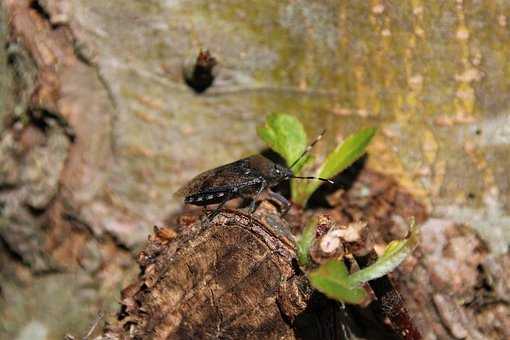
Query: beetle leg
pixel 254 201
pixel 280 200
pixel 216 211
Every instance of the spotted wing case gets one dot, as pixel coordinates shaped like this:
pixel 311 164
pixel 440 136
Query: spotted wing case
pixel 224 179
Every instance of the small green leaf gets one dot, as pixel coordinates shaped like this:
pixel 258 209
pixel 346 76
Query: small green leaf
pixel 347 153
pixel 344 155
pixel 285 135
pixel 305 241
pixel 393 255
pixel 331 279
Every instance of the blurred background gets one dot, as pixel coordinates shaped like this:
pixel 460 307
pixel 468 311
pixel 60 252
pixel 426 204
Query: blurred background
pixel 98 127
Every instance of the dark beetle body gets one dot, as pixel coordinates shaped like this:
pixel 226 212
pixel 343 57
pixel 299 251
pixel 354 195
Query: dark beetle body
pixel 245 177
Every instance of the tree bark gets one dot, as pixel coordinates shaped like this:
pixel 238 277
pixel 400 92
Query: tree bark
pixel 230 279
pixel 99 128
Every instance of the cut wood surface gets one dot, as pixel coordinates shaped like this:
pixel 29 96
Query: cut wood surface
pixel 224 280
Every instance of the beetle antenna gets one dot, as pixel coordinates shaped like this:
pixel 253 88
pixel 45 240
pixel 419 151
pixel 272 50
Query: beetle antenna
pixel 319 178
pixel 308 148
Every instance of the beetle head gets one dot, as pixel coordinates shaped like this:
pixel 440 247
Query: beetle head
pixel 279 173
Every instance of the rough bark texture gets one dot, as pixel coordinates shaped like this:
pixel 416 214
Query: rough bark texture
pixel 217 281
pixel 99 128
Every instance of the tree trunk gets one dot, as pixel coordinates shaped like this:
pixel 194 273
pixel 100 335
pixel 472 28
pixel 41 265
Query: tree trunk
pixel 99 128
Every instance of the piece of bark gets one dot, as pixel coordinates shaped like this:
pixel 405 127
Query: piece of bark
pixel 389 304
pixel 234 278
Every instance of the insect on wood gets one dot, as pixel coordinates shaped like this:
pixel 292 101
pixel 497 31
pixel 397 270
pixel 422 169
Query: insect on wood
pixel 247 177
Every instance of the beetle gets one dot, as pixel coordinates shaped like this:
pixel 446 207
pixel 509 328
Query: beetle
pixel 247 177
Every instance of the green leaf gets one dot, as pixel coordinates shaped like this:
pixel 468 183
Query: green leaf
pixel 285 135
pixel 344 155
pixel 331 279
pixel 347 153
pixel 305 241
pixel 393 255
